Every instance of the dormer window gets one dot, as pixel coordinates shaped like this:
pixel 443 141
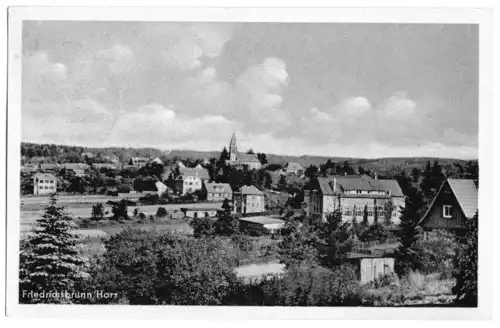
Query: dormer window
pixel 447 211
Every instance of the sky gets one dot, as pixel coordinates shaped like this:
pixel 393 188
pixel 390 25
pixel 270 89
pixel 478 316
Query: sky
pixel 330 89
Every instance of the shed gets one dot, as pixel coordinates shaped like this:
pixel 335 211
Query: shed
pixel 371 267
pixel 261 224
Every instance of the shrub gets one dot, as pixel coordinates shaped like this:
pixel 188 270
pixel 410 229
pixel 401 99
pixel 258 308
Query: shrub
pixel 465 272
pixel 437 253
pixel 303 286
pixel 161 212
pixel 146 267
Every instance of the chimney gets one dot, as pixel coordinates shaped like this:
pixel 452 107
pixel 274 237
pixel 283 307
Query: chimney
pixel 376 176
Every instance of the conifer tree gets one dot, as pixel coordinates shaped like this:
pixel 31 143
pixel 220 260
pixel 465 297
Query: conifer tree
pixel 49 259
pixel 406 254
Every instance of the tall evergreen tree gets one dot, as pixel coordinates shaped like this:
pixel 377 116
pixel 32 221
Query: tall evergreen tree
pixel 49 259
pixel 406 255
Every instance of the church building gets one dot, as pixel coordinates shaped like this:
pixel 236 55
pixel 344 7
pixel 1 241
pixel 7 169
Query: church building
pixel 241 159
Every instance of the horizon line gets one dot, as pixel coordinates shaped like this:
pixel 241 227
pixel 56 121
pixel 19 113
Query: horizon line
pixel 274 154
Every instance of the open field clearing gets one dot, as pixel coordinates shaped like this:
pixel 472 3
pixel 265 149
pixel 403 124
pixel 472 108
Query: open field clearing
pixel 256 271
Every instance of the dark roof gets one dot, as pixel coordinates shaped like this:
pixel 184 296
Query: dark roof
pixel 44 176
pixel 393 186
pixel 243 157
pixel 355 182
pixel 195 172
pixel 226 188
pixel 250 190
pixel 74 166
pixel 46 166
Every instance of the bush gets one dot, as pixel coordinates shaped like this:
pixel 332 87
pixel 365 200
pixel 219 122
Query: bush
pixel 161 212
pixel 304 286
pixel 465 272
pixel 146 268
pixel 437 253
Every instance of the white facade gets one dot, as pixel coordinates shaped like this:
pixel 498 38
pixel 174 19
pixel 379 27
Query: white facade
pixel 189 184
pixel 44 184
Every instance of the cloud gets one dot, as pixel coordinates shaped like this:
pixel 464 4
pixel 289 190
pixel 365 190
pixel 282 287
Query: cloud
pixel 259 96
pixel 319 127
pixel 120 58
pixel 193 43
pixel 354 107
pixel 156 125
pixel 42 78
pixel 398 106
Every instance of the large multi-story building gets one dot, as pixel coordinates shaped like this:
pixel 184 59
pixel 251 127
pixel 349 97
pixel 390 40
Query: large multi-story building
pixel 354 196
pixel 44 184
pixel 241 159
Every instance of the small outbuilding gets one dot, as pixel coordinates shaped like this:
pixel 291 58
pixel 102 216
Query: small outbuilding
pixel 261 225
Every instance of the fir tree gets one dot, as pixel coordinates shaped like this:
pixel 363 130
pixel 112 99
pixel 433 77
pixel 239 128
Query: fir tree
pixel 365 217
pixel 49 259
pixel 406 254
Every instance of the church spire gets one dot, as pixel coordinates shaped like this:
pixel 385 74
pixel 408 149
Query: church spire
pixel 233 149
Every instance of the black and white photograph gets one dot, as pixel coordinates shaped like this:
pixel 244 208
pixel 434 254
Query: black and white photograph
pixel 244 163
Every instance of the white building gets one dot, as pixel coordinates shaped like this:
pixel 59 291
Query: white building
pixel 44 184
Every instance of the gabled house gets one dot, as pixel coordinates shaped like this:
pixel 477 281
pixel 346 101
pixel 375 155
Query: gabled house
pixel 353 195
pixel 49 167
pixel 217 192
pixel 293 168
pixel 455 202
pixel 190 179
pixel 138 161
pixel 248 200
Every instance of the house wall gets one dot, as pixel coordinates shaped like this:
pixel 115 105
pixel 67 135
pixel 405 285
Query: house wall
pixel 201 213
pixel 253 204
pixel 44 186
pixel 191 184
pixel 435 218
pixel 372 268
pixel 218 196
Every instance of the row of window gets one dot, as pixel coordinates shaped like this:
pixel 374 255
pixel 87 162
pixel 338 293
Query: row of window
pixel 219 195
pixel 46 181
pixel 350 211
pixel 368 192
pixel 46 187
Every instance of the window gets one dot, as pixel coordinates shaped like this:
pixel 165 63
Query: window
pixel 347 210
pixel 447 211
pixel 370 211
pixel 386 269
pixel 394 213
pixel 359 211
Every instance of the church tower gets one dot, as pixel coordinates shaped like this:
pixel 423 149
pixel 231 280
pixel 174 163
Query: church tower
pixel 232 148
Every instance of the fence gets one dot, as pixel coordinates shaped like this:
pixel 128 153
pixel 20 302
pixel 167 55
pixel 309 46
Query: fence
pixel 376 247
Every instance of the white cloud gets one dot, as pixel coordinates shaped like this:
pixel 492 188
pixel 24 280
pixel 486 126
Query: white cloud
pixel 155 125
pixel 354 107
pixel 120 58
pixel 398 106
pixel 259 96
pixel 186 49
